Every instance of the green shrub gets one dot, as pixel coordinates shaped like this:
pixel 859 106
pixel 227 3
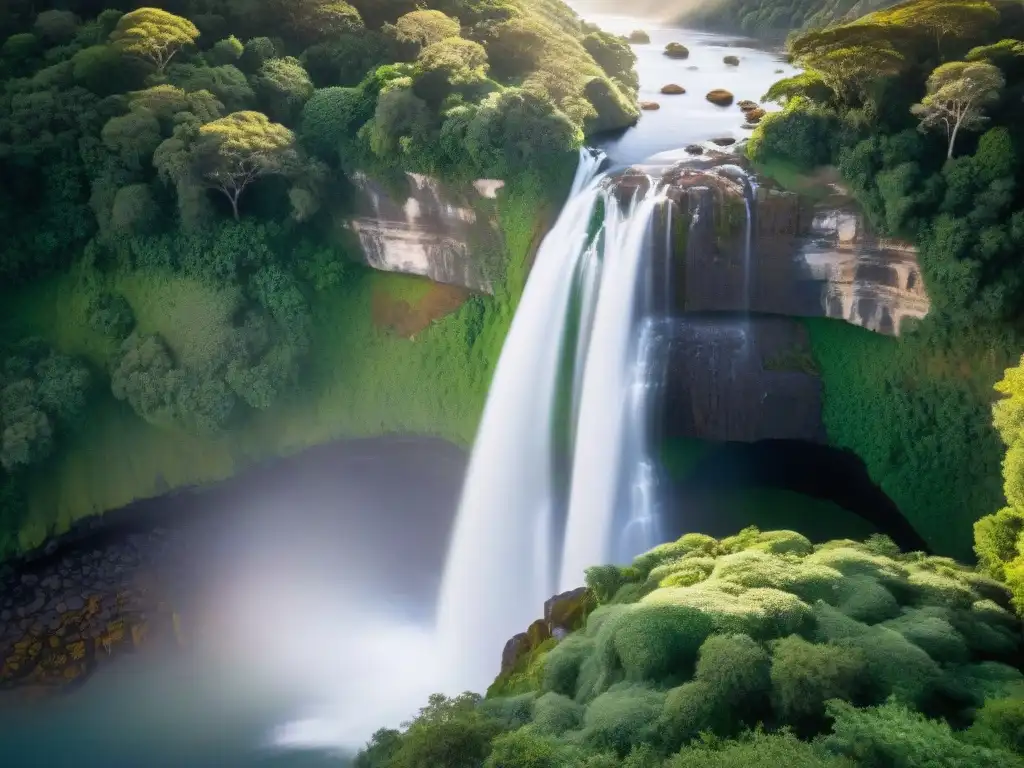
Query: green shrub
pixel 752 568
pixel 893 735
pixel 735 669
pixel 863 599
pixel 932 634
pixel 652 642
pixel 757 750
pixel 622 718
pixel 999 724
pixel 526 748
pixel 761 613
pixel 895 666
pixel 691 709
pixel 689 544
pixel 555 714
pixel 563 662
pixel 805 675
pixel 510 712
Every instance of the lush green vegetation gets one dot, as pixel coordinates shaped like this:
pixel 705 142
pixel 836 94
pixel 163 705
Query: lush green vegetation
pixel 759 649
pixel 776 19
pixel 917 107
pixel 171 184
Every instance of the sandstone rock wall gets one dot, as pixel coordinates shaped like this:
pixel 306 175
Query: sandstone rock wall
pixel 439 232
pixel 798 258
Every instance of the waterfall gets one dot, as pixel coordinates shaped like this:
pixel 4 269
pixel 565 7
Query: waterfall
pixel 641 497
pixel 750 201
pixel 499 571
pixel 590 274
pixel 602 456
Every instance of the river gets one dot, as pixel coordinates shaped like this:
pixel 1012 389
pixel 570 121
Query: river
pixel 688 118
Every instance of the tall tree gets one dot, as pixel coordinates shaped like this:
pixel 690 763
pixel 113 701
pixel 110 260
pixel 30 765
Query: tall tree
pixel 154 35
pixel 234 151
pixel 958 91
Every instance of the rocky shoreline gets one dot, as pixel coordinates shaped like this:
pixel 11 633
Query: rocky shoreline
pixel 63 615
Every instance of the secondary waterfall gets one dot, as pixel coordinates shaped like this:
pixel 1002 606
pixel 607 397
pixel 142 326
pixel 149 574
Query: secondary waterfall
pixel 499 569
pixel 603 455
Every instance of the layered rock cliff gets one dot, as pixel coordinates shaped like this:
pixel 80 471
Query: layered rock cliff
pixel 432 229
pixel 751 248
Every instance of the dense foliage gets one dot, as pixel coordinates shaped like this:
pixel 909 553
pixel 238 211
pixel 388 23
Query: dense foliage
pixel 776 18
pixel 918 107
pixel 180 174
pixel 760 649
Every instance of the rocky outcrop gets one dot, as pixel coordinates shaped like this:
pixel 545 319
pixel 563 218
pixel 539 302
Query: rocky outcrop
pixel 430 229
pixel 754 248
pixel 65 616
pixel 563 613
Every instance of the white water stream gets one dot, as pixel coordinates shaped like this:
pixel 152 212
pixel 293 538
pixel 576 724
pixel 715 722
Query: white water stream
pixel 498 571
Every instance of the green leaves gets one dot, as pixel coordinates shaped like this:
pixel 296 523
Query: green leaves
pixel 154 35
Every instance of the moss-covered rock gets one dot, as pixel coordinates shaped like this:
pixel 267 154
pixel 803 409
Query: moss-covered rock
pixel 638 37
pixel 677 51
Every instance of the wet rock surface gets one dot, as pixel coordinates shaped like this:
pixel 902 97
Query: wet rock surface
pixel 429 229
pixel 744 379
pixel 799 257
pixel 66 615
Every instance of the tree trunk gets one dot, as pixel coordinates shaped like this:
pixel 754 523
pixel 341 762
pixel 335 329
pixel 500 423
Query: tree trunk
pixel 234 201
pixel 952 137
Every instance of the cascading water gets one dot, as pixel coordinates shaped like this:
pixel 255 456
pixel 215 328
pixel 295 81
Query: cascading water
pixel 640 499
pixel 602 455
pixel 499 570
pixel 501 560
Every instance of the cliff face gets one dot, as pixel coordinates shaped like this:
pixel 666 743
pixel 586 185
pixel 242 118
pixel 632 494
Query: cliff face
pixel 446 234
pixel 742 379
pixel 746 262
pixel 798 258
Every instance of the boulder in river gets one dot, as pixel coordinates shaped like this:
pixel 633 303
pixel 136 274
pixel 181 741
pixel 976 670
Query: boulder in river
pixel 724 141
pixel 746 104
pixel 672 89
pixel 638 36
pixel 749 126
pixel 649 106
pixel 732 61
pixel 677 51
pixel 694 149
pixel 720 96
pixel 693 68
pixel 754 115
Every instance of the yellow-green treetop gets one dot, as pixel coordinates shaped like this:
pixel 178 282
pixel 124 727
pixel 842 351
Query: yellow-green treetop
pixel 153 34
pixel 427 27
pixel 234 151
